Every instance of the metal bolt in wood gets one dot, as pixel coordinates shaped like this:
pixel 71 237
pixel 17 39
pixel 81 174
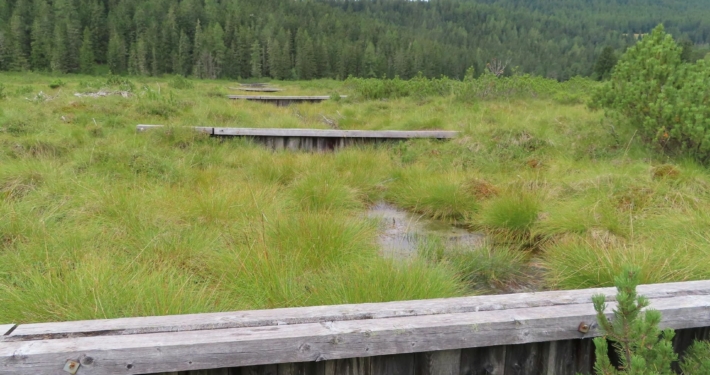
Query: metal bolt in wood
pixel 71 366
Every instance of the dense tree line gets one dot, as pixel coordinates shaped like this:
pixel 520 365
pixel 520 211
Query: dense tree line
pixel 288 39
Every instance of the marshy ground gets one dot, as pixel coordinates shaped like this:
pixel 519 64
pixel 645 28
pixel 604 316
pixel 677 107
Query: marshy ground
pixel 98 221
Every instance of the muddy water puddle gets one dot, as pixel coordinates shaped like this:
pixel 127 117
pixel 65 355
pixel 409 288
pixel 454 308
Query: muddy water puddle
pixel 404 233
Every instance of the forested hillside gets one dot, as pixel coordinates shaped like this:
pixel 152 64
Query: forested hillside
pixel 287 39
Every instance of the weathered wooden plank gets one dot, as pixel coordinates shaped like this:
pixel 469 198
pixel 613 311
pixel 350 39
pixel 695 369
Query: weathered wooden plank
pixel 220 371
pixel 398 364
pixel 567 357
pixel 524 359
pixel 299 368
pixel 257 89
pixel 235 347
pixel 344 366
pixel 442 362
pixel 6 328
pixel 270 369
pixel 285 97
pixel 585 356
pixel 333 133
pixel 315 314
pixel 483 361
pixel 293 143
pixel 254 84
pixel 201 129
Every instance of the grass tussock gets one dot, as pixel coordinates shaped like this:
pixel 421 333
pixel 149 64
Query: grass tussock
pixel 437 196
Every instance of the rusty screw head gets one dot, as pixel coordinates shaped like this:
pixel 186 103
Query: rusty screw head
pixel 71 366
pixel 583 327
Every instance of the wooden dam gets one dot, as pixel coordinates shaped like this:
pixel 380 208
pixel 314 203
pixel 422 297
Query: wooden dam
pixel 546 333
pixel 316 139
pixel 282 101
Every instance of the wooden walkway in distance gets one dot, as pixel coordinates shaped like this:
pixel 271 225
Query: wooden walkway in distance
pixel 254 84
pixel 257 89
pixel 316 139
pixel 282 100
pixel 515 334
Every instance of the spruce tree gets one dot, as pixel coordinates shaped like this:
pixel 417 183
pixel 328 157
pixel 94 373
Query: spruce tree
pixel 274 49
pixel 167 50
pixel 369 64
pixel 41 37
pixel 255 59
pixel 182 64
pixel 197 68
pixel 99 31
pixel 3 51
pixel 219 49
pixel 286 59
pixel 19 58
pixel 305 59
pixel 58 61
pixel 243 52
pixel 67 38
pixel 116 54
pixel 133 60
pixel 231 69
pixel 605 63
pixel 86 54
pixel 142 64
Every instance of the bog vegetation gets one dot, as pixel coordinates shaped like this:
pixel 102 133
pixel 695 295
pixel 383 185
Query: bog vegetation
pixel 98 221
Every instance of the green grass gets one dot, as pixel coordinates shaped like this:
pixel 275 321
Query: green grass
pixel 98 221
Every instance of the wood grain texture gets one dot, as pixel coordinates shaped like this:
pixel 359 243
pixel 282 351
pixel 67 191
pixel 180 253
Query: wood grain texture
pixel 271 369
pixel 257 89
pixel 333 133
pixel 316 314
pixel 567 357
pixel 483 361
pixel 299 368
pixel 350 366
pixel 316 133
pixel 5 328
pixel 441 362
pixel 234 347
pixel 525 359
pixel 283 97
pixel 221 371
pixel 398 364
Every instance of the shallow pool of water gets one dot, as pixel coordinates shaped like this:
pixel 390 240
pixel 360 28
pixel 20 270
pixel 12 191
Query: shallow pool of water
pixel 403 233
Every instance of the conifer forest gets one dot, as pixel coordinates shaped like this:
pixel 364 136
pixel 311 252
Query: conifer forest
pixel 303 40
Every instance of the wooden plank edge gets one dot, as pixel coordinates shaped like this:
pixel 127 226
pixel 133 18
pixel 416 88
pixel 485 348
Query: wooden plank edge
pixel 316 314
pixel 201 129
pixel 330 133
pixel 291 97
pixel 257 89
pixel 200 350
pixel 6 329
pixel 320 133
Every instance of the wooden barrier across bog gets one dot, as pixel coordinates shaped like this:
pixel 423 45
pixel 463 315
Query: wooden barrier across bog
pixel 526 333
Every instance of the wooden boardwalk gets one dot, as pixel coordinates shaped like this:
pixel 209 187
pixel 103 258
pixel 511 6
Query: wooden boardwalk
pixel 316 139
pixel 516 334
pixel 257 89
pixel 282 100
